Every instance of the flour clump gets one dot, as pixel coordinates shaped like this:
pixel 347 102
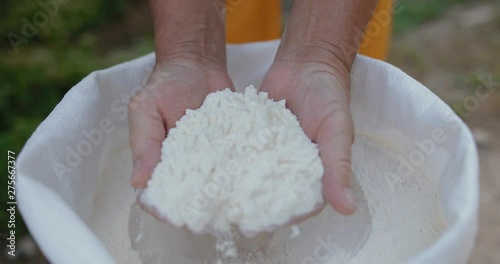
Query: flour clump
pixel 240 160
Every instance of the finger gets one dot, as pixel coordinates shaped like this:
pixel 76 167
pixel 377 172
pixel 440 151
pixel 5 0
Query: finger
pixel 335 137
pixel 313 213
pixel 154 212
pixel 147 132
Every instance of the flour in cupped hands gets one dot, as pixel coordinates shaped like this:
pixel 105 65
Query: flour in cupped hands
pixel 240 160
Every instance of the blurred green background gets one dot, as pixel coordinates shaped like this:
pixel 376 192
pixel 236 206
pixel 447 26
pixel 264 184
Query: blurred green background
pixel 86 35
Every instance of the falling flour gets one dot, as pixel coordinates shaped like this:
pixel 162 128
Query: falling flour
pixel 242 160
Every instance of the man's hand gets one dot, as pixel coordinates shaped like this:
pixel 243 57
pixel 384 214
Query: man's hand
pixel 311 71
pixel 190 52
pixel 318 95
pixel 174 86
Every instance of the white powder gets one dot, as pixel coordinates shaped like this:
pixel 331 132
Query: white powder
pixel 397 217
pixel 240 159
pixel 405 209
pixel 295 231
pixel 110 217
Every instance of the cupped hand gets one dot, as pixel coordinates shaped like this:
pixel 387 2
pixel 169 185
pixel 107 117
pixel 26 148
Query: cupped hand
pixel 318 94
pixel 174 86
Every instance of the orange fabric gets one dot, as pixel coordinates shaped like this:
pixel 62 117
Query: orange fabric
pixel 253 20
pixel 259 20
pixel 378 32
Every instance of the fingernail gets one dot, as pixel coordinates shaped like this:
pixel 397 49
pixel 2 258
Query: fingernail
pixel 136 169
pixel 349 198
pixel 138 193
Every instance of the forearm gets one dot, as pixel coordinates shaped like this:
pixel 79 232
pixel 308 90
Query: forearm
pixel 188 29
pixel 326 31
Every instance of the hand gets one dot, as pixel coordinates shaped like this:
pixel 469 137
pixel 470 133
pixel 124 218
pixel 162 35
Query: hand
pixel 318 94
pixel 174 86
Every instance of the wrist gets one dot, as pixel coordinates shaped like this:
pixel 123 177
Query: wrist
pixel 315 58
pixel 188 30
pixel 320 53
pixel 325 31
pixel 190 53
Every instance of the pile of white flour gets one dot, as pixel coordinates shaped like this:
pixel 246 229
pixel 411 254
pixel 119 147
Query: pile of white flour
pixel 241 160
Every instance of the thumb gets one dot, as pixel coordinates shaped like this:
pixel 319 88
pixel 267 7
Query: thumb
pixel 147 132
pixel 334 139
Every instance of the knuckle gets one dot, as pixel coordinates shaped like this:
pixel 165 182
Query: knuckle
pixel 343 169
pixel 133 103
pixel 140 97
pixel 336 121
pixel 340 171
pixel 338 111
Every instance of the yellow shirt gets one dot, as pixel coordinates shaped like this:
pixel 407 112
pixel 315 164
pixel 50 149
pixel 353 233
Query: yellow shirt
pixel 259 20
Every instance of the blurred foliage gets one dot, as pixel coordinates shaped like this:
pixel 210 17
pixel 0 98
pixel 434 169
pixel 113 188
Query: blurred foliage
pixel 416 12
pixel 70 45
pixel 79 37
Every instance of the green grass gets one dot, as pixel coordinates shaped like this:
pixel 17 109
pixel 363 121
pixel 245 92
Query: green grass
pixel 417 12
